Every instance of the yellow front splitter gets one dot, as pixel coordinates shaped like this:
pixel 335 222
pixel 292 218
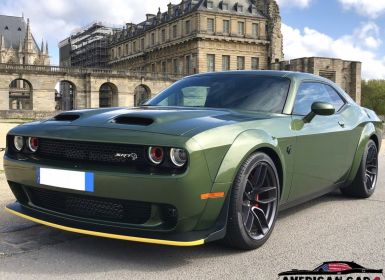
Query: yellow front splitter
pixel 109 235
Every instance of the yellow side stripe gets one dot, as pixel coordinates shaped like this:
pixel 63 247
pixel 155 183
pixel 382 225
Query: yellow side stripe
pixel 109 235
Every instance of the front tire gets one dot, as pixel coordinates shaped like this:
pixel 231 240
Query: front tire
pixel 365 181
pixel 253 203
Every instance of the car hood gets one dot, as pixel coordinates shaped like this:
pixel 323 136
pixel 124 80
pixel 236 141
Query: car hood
pixel 170 121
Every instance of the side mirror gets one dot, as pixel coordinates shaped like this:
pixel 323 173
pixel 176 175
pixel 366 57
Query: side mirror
pixel 320 109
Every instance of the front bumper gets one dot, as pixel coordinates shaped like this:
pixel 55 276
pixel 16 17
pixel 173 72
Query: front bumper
pixel 87 228
pixel 198 221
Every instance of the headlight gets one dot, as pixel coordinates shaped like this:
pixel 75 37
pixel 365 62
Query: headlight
pixel 156 155
pixel 18 143
pixel 33 144
pixel 178 157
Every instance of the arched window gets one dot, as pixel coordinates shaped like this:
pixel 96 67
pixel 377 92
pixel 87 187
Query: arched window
pixel 142 93
pixel 20 95
pixel 108 95
pixel 65 92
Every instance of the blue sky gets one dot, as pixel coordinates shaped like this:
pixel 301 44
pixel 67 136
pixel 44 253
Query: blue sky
pixel 348 29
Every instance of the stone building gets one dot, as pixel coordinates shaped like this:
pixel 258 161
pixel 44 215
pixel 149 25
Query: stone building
pixel 201 35
pixel 347 74
pixel 17 44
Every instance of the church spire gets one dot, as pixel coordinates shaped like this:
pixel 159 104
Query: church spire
pixel 20 46
pixel 28 40
pixel 42 47
pixel 46 48
pixel 2 43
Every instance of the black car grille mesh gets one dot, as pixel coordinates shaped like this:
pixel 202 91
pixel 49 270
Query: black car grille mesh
pixel 91 151
pixel 113 210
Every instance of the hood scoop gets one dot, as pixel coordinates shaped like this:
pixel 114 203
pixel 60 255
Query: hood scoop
pixel 66 117
pixel 133 120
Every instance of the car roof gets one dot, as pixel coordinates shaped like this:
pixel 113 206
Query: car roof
pixel 274 73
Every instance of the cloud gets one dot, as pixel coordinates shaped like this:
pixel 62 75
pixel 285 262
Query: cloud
pixel 371 8
pixel 356 46
pixel 295 3
pixel 54 20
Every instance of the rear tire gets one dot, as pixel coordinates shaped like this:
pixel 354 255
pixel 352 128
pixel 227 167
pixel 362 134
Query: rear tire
pixel 253 203
pixel 365 181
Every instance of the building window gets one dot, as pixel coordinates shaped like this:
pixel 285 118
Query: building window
pixel 153 68
pixel 112 54
pixel 255 28
pixel 174 31
pixel 240 63
pixel 175 68
pixel 210 4
pixel 119 52
pixel 225 6
pixel 142 44
pixel 210 62
pixel 241 28
pixel 152 39
pixel 188 27
pixel 254 63
pixel 226 27
pixel 210 25
pixel 239 8
pixel 126 49
pixel 188 64
pixel 134 47
pixel 225 62
pixel 163 35
pixel 164 67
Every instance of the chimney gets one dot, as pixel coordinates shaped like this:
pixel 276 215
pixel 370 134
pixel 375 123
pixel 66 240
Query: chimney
pixel 150 16
pixel 169 9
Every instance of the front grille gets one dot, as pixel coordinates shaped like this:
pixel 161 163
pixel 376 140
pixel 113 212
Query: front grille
pixel 114 210
pixel 91 152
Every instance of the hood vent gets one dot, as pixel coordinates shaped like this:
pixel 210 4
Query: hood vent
pixel 132 120
pixel 66 117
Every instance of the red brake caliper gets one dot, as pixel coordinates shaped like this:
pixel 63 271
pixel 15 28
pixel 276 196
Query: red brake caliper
pixel 257 198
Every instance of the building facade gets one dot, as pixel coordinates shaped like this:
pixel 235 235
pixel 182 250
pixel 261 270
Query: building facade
pixel 17 44
pixel 347 74
pixel 87 47
pixel 199 36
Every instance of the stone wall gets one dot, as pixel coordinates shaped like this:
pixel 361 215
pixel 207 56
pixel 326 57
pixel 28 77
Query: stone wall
pixel 346 74
pixel 27 115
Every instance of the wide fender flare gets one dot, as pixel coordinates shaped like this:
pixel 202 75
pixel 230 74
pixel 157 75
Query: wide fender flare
pixel 368 131
pixel 243 146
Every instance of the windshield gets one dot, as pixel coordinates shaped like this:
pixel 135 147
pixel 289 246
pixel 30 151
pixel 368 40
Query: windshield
pixel 229 91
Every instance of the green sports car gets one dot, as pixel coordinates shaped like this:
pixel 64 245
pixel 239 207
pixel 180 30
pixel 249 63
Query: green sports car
pixel 214 156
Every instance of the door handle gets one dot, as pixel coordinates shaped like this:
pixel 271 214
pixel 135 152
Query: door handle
pixel 342 124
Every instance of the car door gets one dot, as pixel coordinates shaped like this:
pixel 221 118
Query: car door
pixel 320 151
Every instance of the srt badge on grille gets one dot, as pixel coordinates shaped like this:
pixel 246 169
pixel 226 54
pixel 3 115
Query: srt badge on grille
pixel 131 156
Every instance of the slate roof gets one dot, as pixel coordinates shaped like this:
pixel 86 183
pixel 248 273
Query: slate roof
pixel 13 29
pixel 248 8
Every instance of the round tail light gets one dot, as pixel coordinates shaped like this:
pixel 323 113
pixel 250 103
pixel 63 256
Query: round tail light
pixel 18 143
pixel 178 157
pixel 156 155
pixel 33 144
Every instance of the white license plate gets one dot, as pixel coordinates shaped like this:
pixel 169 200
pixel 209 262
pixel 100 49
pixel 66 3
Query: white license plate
pixel 74 180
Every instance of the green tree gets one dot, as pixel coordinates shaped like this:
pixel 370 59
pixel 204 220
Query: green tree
pixel 373 95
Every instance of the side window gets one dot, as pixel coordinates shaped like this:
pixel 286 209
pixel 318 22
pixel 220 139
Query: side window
pixel 189 96
pixel 194 96
pixel 308 93
pixel 335 98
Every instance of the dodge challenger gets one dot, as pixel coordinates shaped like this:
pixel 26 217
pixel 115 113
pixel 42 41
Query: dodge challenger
pixel 213 157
